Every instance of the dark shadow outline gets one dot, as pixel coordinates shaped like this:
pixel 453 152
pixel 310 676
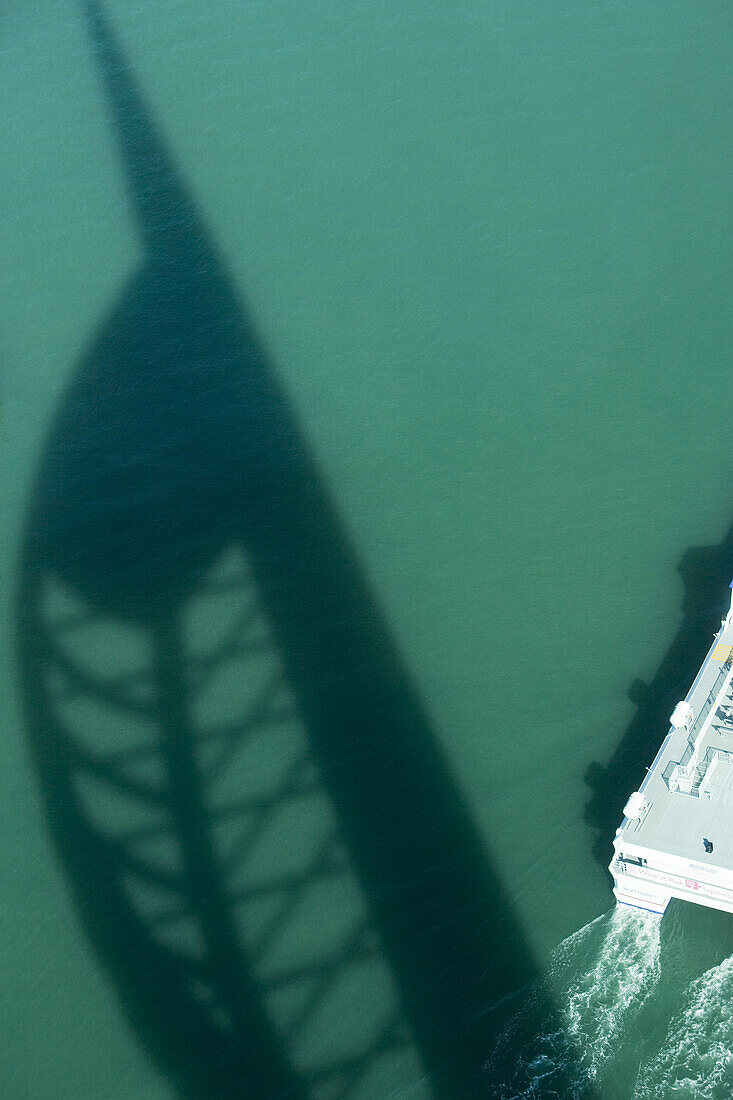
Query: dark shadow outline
pixel 133 502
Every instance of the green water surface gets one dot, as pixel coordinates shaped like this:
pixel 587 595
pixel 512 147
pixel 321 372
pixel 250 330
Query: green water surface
pixel 487 246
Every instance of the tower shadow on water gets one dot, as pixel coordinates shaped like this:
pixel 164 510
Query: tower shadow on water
pixel 706 572
pixel 263 842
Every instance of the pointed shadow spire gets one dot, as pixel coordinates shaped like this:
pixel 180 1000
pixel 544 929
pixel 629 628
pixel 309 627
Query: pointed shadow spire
pixel 165 213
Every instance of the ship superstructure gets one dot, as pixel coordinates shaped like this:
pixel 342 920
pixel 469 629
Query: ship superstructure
pixel 676 838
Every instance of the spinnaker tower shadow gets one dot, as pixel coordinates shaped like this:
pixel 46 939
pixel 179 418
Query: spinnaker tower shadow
pixel 262 838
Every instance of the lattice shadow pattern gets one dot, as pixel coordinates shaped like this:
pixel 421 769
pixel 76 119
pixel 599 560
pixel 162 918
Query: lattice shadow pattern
pixel 264 842
pixel 216 830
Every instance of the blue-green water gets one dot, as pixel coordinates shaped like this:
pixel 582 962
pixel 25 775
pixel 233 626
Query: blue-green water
pixel 486 252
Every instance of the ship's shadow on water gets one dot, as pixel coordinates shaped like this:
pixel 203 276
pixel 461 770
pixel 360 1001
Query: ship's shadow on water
pixel 706 572
pixel 265 848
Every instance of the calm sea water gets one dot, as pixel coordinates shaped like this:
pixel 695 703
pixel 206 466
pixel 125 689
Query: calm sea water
pixel 317 641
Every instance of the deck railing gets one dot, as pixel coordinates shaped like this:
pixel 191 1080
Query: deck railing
pixel 688 775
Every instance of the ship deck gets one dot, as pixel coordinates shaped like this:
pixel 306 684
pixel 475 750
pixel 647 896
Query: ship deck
pixel 676 821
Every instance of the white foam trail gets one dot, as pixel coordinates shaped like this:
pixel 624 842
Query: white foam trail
pixel 566 952
pixel 696 1058
pixel 601 1001
pixel 599 990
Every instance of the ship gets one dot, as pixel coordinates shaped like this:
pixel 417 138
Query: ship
pixel 675 840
